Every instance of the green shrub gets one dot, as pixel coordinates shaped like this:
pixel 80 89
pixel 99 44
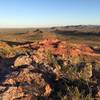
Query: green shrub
pixel 52 60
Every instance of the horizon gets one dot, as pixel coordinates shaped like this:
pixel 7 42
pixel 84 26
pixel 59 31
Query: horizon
pixel 43 26
pixel 48 13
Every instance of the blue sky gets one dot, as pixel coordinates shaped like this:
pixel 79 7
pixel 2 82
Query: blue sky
pixel 27 13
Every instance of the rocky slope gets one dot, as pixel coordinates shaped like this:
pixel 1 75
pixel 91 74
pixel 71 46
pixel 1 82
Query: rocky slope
pixel 49 70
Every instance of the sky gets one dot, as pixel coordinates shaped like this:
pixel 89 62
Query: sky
pixel 45 13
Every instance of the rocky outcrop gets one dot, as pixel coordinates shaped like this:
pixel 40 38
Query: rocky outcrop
pixel 46 70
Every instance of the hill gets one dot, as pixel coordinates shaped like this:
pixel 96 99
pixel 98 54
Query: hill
pixel 58 63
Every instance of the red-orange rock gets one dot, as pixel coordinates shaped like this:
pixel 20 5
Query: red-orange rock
pixel 48 90
pixel 13 93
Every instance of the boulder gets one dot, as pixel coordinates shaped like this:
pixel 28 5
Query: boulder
pixel 22 60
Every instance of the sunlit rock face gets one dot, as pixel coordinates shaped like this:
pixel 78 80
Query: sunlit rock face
pixel 22 60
